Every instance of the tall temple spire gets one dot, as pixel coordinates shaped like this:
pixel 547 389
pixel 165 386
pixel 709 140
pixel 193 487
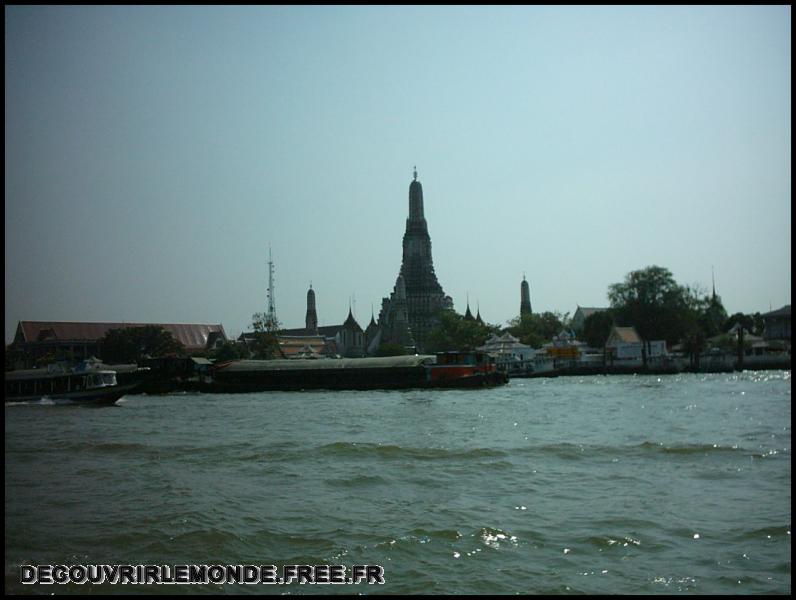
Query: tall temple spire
pixel 417 289
pixel 311 320
pixel 416 202
pixel 525 297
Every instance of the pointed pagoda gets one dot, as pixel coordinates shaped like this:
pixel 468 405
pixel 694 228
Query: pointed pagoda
pixel 424 294
pixel 525 297
pixel 311 319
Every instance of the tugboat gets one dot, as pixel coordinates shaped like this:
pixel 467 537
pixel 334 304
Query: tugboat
pixel 465 369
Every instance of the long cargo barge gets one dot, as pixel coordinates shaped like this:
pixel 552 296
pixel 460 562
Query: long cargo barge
pixel 445 370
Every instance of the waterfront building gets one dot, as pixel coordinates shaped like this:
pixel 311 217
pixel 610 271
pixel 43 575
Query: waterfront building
pixel 424 295
pixel 757 351
pixel 346 339
pixel 510 355
pixel 70 340
pixel 351 339
pixel 306 346
pixel 564 346
pixel 525 297
pixel 624 343
pixel 777 324
pixel 753 344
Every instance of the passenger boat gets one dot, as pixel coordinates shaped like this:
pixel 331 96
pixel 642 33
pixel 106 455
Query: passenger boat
pixel 82 384
pixel 395 372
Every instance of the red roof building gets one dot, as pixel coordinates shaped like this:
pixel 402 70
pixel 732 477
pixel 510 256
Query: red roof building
pixel 81 340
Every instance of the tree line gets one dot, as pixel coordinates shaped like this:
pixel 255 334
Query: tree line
pixel 648 299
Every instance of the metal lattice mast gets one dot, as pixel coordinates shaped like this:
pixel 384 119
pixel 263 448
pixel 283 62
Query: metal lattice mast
pixel 271 297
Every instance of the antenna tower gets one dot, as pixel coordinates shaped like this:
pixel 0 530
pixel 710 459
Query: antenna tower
pixel 271 298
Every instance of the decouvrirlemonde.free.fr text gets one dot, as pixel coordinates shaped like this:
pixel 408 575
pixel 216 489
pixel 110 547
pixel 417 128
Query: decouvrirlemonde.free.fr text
pixel 201 574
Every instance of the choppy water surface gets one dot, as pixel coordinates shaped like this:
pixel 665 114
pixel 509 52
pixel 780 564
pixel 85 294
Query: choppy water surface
pixel 596 484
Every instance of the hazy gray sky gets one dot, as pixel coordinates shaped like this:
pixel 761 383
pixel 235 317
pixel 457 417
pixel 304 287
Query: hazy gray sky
pixel 152 154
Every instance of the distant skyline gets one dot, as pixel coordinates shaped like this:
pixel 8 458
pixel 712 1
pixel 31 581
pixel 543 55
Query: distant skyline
pixel 153 154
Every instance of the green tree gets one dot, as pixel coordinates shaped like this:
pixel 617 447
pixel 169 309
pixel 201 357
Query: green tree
pixel 536 328
pixel 130 344
pixel 754 323
pixel 746 321
pixel 266 330
pixel 694 338
pixel 229 350
pixel 597 327
pixel 712 315
pixel 391 349
pixel 760 324
pixel 729 343
pixel 15 358
pixel 651 301
pixel 454 332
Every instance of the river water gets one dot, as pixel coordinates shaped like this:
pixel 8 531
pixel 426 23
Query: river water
pixel 618 484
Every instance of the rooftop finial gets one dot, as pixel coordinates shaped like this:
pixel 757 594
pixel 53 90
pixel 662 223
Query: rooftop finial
pixel 415 172
pixel 713 276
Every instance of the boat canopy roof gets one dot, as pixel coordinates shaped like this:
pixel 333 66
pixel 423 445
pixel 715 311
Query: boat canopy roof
pixel 381 362
pixel 25 374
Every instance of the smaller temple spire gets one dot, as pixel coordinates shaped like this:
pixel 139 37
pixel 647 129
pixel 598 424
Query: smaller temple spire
pixel 468 316
pixel 415 172
pixel 713 276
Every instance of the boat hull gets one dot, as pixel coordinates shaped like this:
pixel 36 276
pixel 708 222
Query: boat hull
pixel 347 374
pixel 106 395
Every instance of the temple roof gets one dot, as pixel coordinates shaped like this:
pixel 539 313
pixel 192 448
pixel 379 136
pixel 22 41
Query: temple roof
pixel 351 322
pixel 468 315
